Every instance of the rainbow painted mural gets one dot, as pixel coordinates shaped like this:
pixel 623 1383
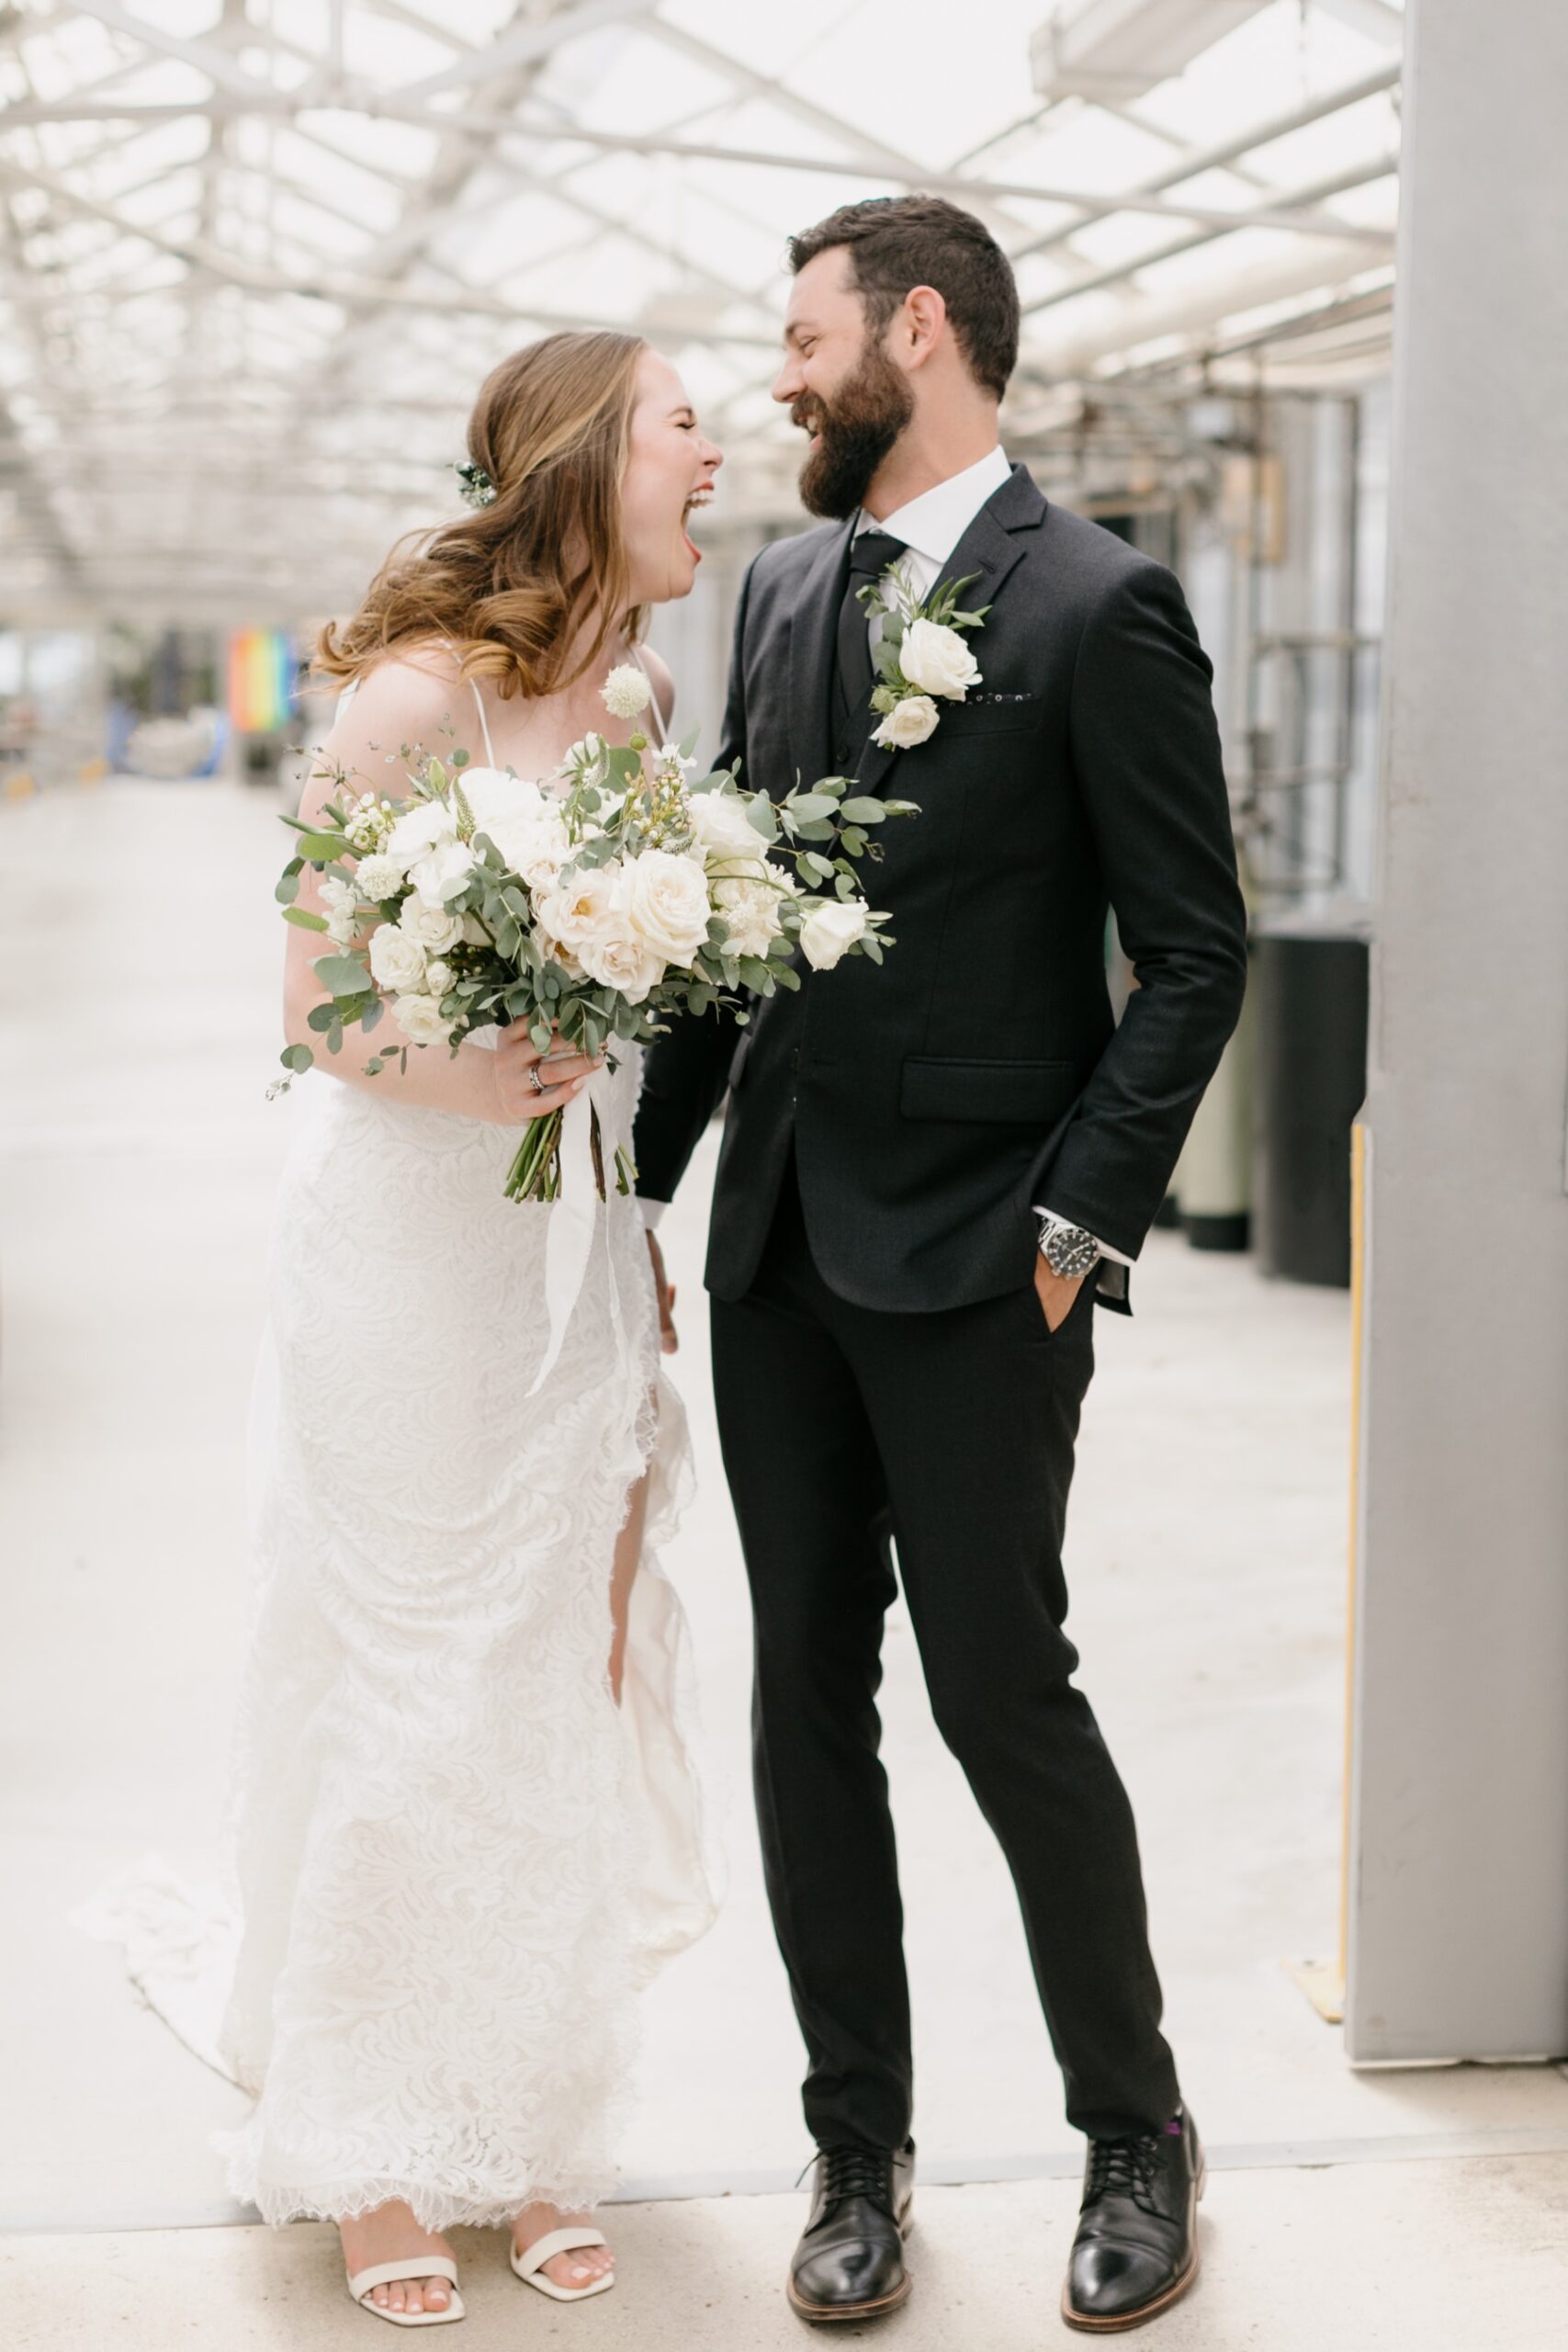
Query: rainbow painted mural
pixel 261 680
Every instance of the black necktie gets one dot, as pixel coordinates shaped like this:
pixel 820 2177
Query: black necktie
pixel 871 552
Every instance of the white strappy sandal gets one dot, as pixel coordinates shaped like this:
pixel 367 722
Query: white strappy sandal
pixel 384 2274
pixel 530 2266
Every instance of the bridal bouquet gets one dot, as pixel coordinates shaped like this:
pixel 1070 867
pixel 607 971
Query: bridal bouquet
pixel 592 907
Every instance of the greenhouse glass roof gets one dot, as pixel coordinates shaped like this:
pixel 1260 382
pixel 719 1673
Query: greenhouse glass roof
pixel 256 254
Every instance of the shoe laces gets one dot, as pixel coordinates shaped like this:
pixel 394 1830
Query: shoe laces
pixel 853 2171
pixel 1127 2168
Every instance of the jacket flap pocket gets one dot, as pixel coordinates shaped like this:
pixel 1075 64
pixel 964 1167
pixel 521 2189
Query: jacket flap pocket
pixel 1024 1094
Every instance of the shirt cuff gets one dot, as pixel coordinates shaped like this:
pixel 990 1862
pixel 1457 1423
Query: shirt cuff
pixel 1051 1220
pixel 651 1213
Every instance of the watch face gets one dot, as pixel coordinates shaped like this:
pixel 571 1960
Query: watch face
pixel 1072 1251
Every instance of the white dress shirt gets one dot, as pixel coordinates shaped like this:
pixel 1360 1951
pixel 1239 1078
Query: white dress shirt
pixel 931 527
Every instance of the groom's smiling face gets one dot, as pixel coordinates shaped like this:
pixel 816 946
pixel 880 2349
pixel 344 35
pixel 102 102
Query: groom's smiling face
pixel 840 385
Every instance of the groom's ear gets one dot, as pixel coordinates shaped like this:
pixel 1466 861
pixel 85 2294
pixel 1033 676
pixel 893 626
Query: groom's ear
pixel 919 327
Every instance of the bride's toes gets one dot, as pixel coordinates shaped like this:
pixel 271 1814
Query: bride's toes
pixel 581 2267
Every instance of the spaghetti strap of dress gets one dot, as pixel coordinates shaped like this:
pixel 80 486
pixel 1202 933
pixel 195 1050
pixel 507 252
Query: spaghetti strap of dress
pixel 653 690
pixel 484 723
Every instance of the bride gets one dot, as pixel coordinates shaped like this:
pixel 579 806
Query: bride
pixel 469 1827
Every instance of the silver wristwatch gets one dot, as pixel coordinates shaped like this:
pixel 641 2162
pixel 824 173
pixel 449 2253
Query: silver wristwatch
pixel 1068 1250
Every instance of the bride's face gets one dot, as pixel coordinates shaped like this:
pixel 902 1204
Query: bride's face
pixel 670 468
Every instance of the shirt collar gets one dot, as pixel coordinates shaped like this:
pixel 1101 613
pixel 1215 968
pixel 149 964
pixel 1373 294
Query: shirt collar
pixel 935 522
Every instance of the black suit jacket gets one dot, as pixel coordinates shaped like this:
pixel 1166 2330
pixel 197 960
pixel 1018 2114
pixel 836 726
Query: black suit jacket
pixel 932 1100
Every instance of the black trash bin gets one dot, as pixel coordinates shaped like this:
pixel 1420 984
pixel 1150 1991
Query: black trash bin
pixel 1309 981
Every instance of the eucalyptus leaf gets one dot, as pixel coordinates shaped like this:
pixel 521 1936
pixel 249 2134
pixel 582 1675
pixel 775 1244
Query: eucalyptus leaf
pixel 810 808
pixel 318 847
pixel 297 1057
pixel 343 975
pixel 305 920
pixel 863 811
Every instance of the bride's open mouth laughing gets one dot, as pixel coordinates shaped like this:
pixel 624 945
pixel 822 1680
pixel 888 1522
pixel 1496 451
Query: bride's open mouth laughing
pixel 702 496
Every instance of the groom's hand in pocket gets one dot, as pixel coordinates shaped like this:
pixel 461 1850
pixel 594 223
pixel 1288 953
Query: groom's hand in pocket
pixel 665 1290
pixel 1056 1292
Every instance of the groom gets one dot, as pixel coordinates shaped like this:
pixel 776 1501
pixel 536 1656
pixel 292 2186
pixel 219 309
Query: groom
pixel 930 1171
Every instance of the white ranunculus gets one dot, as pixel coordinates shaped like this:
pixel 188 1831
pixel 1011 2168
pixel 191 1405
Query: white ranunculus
pixel 497 799
pixel 619 959
pixel 419 830
pixel 625 691
pixel 750 908
pixel 380 877
pixel 397 959
pixel 444 872
pixel 419 1019
pixel 937 660
pixel 907 723
pixel 665 900
pixel 536 850
pixel 725 833
pixel 432 927
pixel 829 930
pixel 578 910
pixel 438 978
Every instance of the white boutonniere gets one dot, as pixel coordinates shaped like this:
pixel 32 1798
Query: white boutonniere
pixel 920 656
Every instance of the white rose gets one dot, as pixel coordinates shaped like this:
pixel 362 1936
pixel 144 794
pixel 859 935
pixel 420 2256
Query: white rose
pixel 907 723
pixel 431 928
pixel 397 960
pixel 419 1018
pixel 474 934
pixel 937 660
pixel 576 912
pixel 438 978
pixel 831 930
pixel 419 830
pixel 380 877
pixel 750 908
pixel 665 900
pixel 625 691
pixel 551 948
pixel 618 959
pixel 497 799
pixel 724 832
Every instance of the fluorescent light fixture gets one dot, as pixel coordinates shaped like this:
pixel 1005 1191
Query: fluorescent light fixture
pixel 1122 49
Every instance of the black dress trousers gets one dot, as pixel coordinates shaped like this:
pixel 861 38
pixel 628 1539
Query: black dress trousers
pixel 960 1426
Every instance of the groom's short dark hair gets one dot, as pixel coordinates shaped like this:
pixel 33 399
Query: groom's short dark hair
pixel 897 242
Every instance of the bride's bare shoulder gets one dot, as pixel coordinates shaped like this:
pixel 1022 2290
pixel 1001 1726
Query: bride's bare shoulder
pixel 416 695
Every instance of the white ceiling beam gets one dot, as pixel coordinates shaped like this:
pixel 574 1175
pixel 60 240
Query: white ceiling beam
pixel 206 56
pixel 528 41
pixel 1223 152
pixel 1379 167
pixel 1374 19
pixel 978 189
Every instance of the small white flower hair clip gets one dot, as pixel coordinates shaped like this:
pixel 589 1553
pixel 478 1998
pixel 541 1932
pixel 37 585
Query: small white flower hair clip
pixel 475 487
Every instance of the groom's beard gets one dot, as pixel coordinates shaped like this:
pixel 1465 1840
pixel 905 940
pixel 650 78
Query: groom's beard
pixel 869 411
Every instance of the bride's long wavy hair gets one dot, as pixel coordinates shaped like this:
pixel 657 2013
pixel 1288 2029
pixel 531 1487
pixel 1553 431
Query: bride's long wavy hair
pixel 530 588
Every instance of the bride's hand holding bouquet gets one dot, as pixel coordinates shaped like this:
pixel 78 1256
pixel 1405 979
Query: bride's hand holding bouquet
pixel 574 915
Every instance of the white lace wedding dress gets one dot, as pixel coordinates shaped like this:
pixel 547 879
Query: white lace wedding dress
pixel 458 1858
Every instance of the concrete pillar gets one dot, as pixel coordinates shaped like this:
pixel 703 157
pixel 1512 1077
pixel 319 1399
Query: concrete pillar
pixel 1459 1840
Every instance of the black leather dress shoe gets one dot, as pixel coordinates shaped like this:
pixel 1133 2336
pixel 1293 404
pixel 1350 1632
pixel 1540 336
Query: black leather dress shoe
pixel 850 2262
pixel 1136 2248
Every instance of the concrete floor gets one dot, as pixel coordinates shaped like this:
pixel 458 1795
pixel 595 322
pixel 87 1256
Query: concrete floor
pixel 1207 1559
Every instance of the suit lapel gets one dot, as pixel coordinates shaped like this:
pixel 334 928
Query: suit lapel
pixel 990 548
pixel 814 625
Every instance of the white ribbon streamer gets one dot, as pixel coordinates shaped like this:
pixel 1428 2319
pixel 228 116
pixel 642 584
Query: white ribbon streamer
pixel 568 1243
